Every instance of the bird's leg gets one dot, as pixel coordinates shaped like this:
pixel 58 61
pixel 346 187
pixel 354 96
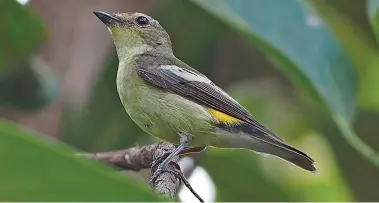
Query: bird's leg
pixel 183 152
pixel 163 166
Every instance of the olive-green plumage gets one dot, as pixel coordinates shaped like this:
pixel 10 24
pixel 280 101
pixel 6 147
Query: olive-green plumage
pixel 167 98
pixel 161 113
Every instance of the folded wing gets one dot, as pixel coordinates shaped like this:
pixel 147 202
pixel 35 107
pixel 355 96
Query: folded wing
pixel 198 88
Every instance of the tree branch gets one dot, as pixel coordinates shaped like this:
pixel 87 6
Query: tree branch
pixel 138 158
pixel 166 183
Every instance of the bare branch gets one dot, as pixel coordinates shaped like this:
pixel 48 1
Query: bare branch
pixel 166 183
pixel 135 158
pixel 138 158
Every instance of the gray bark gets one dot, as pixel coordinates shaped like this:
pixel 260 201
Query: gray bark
pixel 138 158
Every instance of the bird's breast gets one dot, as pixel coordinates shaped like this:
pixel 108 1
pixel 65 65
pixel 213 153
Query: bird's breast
pixel 162 113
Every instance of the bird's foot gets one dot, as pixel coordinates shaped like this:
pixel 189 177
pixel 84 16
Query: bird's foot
pixel 160 161
pixel 177 173
pixel 163 168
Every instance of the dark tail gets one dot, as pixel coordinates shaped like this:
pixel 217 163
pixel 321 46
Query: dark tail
pixel 263 143
pixel 292 155
pixel 285 152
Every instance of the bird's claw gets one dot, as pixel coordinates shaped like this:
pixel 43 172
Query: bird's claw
pixel 160 160
pixel 164 169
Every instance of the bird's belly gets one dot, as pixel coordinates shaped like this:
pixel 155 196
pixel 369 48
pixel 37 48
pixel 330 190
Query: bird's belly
pixel 165 115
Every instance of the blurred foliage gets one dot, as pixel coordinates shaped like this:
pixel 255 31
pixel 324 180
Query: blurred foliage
pixel 22 32
pixel 306 52
pixel 118 128
pixel 370 77
pixel 39 169
pixel 34 81
pixel 351 23
pixel 333 79
pixel 326 57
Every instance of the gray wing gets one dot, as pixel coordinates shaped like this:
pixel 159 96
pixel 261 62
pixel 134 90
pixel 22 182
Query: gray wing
pixel 200 89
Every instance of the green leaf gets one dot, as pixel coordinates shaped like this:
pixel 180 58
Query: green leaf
pixel 372 8
pixel 351 23
pixel 35 168
pixel 369 99
pixel 25 80
pixel 20 34
pixel 304 49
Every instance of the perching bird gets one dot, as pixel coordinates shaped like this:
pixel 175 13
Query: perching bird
pixel 174 102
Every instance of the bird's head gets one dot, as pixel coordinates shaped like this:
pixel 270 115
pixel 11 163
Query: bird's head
pixel 135 32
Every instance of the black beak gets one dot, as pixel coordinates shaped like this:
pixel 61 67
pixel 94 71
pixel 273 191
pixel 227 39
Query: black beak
pixel 106 18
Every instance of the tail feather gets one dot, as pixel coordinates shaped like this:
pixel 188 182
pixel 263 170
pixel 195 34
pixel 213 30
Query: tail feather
pixel 287 153
pixel 262 143
pixel 283 151
pixel 292 155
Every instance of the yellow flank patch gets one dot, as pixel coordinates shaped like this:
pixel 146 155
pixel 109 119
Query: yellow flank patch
pixel 223 118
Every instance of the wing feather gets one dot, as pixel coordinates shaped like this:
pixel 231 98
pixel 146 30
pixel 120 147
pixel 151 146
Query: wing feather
pixel 195 86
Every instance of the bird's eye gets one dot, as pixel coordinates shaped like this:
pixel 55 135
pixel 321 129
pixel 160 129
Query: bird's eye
pixel 142 20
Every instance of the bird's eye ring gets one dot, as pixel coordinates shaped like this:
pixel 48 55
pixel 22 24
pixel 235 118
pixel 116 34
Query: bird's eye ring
pixel 142 20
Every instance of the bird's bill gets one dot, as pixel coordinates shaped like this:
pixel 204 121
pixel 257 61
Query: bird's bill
pixel 106 18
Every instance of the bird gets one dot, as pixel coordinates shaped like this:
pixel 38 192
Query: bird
pixel 171 100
